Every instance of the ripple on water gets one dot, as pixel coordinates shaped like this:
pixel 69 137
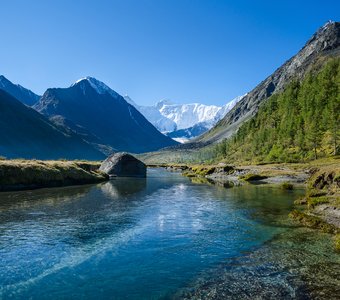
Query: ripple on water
pixel 147 239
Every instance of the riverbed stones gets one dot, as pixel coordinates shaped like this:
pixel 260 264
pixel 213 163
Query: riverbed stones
pixel 123 164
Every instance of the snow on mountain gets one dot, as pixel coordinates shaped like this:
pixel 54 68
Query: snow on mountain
pixel 167 116
pixel 102 117
pixel 100 87
pixel 183 121
pixel 154 116
pixel 163 102
pixel 187 115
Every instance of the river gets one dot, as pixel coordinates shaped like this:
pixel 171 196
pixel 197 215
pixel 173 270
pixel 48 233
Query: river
pixel 164 237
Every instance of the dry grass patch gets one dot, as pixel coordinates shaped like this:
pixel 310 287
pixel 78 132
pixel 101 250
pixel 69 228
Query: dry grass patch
pixel 21 174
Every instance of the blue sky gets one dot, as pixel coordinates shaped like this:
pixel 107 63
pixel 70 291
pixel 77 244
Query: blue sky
pixel 186 51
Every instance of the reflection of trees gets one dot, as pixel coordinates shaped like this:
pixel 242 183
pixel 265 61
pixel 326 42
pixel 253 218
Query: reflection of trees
pixel 209 181
pixel 264 203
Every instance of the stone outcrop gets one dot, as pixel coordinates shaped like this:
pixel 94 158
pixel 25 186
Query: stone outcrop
pixel 123 165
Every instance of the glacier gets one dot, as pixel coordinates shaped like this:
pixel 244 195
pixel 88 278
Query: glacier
pixel 183 121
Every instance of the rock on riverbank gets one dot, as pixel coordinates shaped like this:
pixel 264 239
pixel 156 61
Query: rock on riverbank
pixel 234 176
pixel 322 200
pixel 123 165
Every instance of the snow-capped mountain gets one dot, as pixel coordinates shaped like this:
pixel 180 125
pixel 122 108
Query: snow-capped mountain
pixel 154 116
pixel 100 87
pixel 102 117
pixel 183 121
pixel 187 115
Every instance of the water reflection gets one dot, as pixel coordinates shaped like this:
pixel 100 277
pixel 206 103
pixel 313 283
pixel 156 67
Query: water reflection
pixel 29 199
pixel 129 238
pixel 122 188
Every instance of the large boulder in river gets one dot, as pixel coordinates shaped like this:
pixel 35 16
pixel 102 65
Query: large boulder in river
pixel 123 165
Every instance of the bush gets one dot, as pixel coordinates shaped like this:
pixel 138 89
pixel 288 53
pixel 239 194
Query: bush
pixel 312 221
pixel 337 242
pixel 203 170
pixel 252 177
pixel 287 186
pixel 314 201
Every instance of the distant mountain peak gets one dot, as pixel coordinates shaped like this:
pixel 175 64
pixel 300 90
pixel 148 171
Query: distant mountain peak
pixel 24 95
pixel 183 121
pixel 163 102
pixel 324 44
pixel 93 110
pixel 328 24
pixel 4 81
pixel 328 35
pixel 99 86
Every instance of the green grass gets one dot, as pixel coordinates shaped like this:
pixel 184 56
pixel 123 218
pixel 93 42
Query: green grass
pixel 189 174
pixel 337 242
pixel 287 186
pixel 297 124
pixel 252 177
pixel 314 201
pixel 203 170
pixel 312 222
pixel 23 174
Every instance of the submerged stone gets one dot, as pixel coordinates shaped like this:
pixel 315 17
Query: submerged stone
pixel 123 165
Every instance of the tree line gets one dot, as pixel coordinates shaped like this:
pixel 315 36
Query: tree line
pixel 301 123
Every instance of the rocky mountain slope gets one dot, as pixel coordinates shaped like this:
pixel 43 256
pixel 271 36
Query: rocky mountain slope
pixel 17 91
pixel 24 133
pixel 324 43
pixel 102 116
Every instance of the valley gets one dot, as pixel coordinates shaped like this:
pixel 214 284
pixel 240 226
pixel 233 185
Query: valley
pixel 105 197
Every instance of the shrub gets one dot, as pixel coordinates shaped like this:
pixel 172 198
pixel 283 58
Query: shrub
pixel 337 242
pixel 287 186
pixel 252 177
pixel 314 201
pixel 312 221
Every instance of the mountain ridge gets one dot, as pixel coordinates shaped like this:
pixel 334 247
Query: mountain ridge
pixel 26 133
pixel 24 95
pixel 92 105
pixel 183 121
pixel 324 42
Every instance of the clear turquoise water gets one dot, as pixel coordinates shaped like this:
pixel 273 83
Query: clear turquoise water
pixel 130 238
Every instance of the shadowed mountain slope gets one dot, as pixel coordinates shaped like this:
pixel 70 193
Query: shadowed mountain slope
pixel 105 114
pixel 25 133
pixel 24 95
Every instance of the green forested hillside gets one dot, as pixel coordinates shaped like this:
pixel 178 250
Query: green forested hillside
pixel 301 123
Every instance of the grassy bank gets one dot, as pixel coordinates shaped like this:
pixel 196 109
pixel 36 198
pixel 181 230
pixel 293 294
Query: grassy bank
pixel 32 174
pixel 320 208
